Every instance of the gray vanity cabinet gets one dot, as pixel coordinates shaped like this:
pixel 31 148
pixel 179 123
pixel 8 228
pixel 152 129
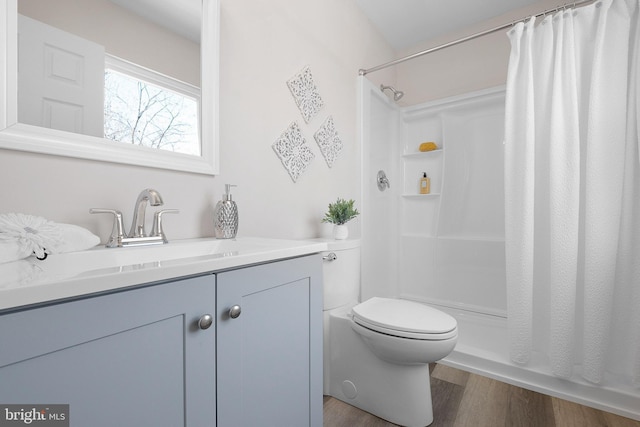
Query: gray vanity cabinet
pixel 143 357
pixel 269 344
pixel 132 358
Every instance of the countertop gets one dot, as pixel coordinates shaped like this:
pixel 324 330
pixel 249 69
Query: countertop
pixel 60 276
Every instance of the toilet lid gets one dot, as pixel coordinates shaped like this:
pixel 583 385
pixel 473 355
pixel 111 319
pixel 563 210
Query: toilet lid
pixel 404 318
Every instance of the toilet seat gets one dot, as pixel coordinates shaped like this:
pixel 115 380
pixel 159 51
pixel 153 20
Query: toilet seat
pixel 405 319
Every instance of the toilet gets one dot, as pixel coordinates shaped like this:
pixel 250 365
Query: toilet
pixel 377 352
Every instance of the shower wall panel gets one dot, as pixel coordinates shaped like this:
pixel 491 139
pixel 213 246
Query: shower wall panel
pixel 473 191
pixel 452 240
pixel 380 135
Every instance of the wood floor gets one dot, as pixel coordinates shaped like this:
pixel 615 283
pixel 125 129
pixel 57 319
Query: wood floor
pixel 462 399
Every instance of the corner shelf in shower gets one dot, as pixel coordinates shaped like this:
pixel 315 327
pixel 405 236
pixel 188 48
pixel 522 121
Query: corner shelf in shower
pixel 414 164
pixel 421 196
pixel 419 154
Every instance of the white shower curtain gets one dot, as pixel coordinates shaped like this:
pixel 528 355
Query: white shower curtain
pixel 572 191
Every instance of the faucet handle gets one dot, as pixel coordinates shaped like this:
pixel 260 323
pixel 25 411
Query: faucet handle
pixel 117 232
pixel 156 229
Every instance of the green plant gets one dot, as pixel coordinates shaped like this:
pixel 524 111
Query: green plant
pixel 340 212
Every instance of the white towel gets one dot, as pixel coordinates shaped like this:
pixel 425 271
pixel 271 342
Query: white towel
pixel 75 238
pixel 23 235
pixel 33 234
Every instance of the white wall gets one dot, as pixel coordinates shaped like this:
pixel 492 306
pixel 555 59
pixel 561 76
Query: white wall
pixel 263 44
pixel 473 65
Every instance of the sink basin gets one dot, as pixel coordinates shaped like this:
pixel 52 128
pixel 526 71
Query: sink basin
pixel 102 269
pixel 152 256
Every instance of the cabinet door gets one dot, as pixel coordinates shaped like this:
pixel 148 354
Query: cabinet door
pixel 269 358
pixel 133 358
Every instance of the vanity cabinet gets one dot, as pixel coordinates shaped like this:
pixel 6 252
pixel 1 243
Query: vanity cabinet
pixel 143 356
pixel 269 344
pixel 131 358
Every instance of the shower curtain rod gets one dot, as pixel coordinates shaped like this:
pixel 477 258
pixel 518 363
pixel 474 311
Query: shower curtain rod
pixel 363 72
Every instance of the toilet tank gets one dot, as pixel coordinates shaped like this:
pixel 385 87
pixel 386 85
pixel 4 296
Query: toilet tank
pixel 341 275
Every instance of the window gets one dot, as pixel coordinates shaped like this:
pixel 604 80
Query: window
pixel 143 107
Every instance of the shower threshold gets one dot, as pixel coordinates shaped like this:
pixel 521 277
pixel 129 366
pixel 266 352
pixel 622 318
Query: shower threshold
pixel 483 349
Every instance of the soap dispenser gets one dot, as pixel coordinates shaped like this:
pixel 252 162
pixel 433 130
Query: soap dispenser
pixel 225 217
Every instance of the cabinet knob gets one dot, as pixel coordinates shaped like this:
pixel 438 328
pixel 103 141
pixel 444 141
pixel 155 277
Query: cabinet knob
pixel 205 321
pixel 235 311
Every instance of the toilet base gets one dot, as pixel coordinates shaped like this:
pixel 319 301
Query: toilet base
pixel 397 393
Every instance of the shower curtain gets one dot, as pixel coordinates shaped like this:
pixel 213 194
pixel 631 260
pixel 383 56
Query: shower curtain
pixel 572 192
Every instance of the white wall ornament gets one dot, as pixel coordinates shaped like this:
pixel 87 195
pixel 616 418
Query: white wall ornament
pixel 293 151
pixel 328 140
pixel 305 94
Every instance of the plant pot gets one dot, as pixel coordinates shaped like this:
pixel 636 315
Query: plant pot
pixel 340 232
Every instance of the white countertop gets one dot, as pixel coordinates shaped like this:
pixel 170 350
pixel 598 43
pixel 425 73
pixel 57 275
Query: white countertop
pixel 101 269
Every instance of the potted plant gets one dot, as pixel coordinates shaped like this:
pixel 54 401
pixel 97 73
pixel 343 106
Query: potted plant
pixel 339 213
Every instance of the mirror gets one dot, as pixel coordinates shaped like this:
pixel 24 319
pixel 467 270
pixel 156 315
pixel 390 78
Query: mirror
pixel 59 134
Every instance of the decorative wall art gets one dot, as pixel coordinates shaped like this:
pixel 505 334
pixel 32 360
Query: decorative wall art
pixel 293 151
pixel 328 141
pixel 305 94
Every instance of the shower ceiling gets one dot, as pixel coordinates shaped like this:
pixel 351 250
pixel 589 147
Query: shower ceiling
pixel 404 23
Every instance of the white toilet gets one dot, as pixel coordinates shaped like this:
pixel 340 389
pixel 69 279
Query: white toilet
pixel 376 353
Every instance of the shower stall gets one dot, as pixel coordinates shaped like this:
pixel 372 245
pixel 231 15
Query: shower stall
pixel 447 248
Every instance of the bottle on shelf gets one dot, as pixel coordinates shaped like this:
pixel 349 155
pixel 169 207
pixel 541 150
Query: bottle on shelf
pixel 425 184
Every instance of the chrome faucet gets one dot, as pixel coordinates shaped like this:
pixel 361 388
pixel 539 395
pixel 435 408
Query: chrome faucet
pixel 137 235
pixel 137 225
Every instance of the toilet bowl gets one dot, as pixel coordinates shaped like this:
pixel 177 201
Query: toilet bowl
pixel 376 353
pixel 405 332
